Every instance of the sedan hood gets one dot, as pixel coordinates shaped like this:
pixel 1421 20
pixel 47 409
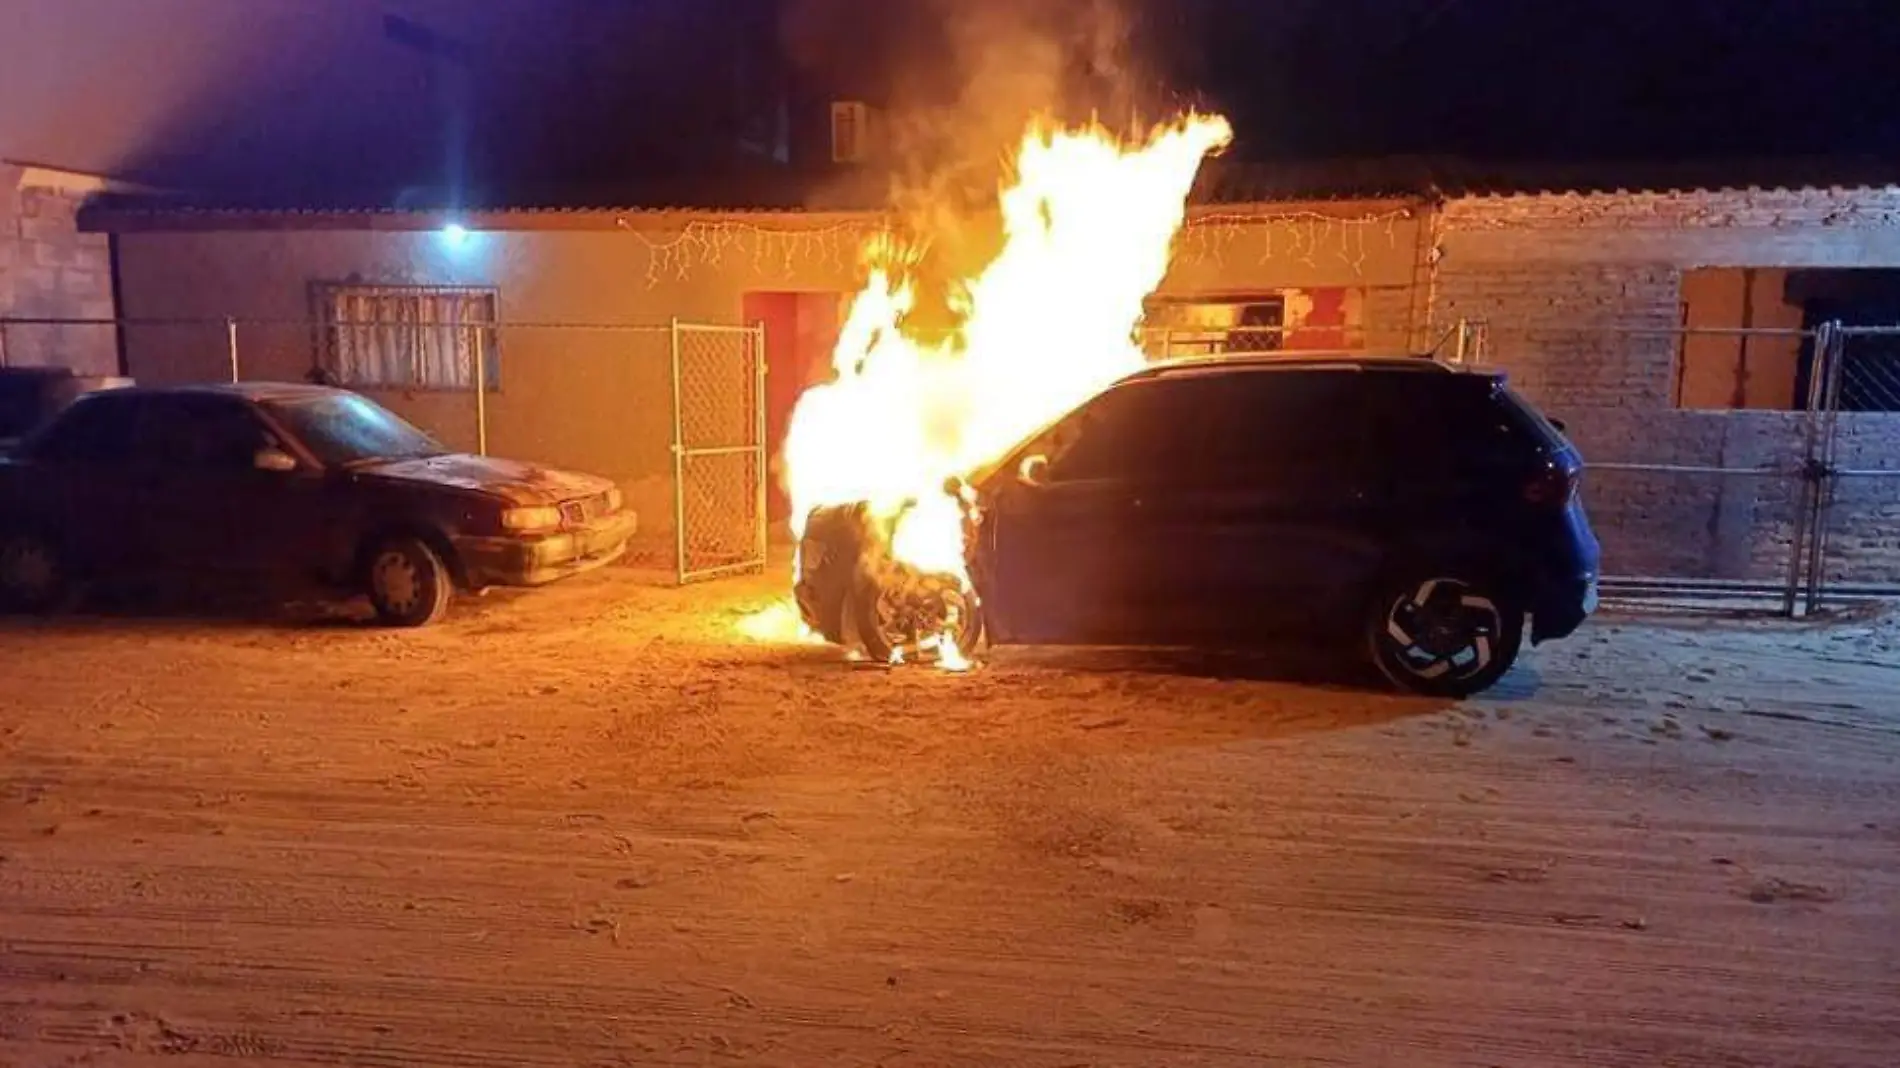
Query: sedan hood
pixel 520 484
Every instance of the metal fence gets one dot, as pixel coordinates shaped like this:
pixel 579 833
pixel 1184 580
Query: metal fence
pixel 673 413
pixel 719 450
pixel 1725 464
pixel 1177 342
pixel 1854 539
pixel 1738 464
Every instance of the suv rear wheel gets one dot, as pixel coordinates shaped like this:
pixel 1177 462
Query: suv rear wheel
pixel 407 582
pixel 1443 633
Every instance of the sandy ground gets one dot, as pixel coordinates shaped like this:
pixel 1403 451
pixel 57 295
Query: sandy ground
pixel 589 828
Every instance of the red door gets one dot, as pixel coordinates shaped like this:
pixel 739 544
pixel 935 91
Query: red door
pixel 801 329
pixel 1323 327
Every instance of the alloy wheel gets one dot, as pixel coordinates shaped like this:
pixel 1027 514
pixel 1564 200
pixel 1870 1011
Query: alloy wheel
pixel 1444 629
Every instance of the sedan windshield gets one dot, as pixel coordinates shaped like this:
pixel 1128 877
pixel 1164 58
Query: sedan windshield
pixel 345 430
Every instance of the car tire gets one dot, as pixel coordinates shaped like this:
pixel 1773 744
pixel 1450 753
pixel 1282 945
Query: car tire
pixel 830 559
pixel 870 604
pixel 33 574
pixel 1445 632
pixel 408 583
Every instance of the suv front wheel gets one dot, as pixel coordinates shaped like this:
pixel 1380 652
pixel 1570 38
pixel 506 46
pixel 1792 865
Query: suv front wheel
pixel 1442 633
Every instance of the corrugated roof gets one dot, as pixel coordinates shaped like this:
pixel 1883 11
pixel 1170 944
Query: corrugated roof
pixel 777 191
pixel 1230 182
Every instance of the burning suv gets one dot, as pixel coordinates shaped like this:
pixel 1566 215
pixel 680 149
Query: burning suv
pixel 1424 511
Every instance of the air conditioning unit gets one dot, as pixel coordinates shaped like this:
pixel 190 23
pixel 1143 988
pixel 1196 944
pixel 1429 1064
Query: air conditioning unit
pixel 850 131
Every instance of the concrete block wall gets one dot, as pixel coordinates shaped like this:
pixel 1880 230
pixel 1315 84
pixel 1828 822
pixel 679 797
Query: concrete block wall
pixel 1582 296
pixel 49 270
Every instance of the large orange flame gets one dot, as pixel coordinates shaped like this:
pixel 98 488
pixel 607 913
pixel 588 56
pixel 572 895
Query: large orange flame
pixel 1088 227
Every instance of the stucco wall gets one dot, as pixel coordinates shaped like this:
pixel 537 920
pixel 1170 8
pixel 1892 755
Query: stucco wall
pixel 599 399
pixel 574 389
pixel 49 270
pixel 1583 296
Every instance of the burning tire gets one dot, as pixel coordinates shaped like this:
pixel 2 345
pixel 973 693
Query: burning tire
pixel 830 557
pixel 853 593
pixel 903 613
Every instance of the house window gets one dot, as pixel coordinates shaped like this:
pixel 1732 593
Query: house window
pixel 1216 326
pixel 1740 342
pixel 1747 336
pixel 410 337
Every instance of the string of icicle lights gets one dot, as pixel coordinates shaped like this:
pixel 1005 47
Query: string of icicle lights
pixel 1212 238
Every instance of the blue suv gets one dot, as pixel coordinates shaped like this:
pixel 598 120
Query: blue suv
pixel 1426 512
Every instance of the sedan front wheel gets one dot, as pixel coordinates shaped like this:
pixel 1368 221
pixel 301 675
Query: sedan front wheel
pixel 409 585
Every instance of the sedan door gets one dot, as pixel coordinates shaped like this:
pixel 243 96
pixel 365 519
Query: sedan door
pixel 212 508
pixel 84 489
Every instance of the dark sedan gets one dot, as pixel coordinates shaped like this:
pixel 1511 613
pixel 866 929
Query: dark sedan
pixel 286 480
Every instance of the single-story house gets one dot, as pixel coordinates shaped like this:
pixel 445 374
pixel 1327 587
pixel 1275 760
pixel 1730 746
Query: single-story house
pixel 1667 323
pixel 578 360
pixel 1665 319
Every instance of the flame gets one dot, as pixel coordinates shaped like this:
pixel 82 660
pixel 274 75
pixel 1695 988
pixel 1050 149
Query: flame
pixel 949 657
pixel 778 623
pixel 1088 225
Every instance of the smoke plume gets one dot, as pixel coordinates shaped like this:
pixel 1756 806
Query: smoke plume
pixel 956 84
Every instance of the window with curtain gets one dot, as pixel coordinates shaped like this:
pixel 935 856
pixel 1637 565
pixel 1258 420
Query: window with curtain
pixel 410 337
pixel 1215 326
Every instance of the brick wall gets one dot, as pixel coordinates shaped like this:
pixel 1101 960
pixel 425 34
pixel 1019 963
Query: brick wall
pixel 49 270
pixel 1580 294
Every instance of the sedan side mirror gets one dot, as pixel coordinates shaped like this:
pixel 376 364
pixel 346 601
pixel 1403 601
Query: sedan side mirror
pixel 274 460
pixel 1034 470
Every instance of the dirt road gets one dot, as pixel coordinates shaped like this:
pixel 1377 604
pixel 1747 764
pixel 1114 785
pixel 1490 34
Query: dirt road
pixel 590 828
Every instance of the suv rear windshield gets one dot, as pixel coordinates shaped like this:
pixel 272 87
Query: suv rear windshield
pixel 1528 419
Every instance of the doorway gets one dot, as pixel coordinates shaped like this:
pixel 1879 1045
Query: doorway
pixel 801 330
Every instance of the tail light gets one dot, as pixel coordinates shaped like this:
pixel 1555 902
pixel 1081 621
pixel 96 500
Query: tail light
pixel 1553 487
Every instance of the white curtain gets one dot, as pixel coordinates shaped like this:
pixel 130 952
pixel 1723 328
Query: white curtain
pixel 421 338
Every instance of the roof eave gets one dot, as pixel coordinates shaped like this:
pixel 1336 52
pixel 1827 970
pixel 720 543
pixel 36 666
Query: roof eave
pixel 186 220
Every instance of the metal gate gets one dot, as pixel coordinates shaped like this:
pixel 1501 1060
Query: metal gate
pixel 1849 545
pixel 719 451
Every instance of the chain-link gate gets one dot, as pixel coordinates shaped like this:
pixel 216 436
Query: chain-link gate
pixel 1851 546
pixel 719 461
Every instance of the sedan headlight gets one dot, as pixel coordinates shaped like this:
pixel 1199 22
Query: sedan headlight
pixel 615 500
pixel 530 520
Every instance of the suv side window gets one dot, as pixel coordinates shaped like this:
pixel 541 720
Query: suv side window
pixel 1272 430
pixel 1290 430
pixel 96 431
pixel 200 433
pixel 1450 428
pixel 1132 433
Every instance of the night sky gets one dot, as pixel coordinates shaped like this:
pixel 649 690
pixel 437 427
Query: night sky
pixel 349 99
pixel 1550 79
